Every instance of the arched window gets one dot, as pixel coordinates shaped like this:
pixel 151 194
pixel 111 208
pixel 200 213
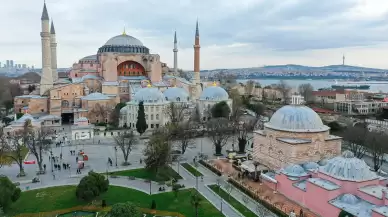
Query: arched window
pixel 157 116
pixel 65 103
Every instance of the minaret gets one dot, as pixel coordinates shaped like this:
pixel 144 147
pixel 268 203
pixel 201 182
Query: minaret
pixel 46 80
pixel 343 59
pixel 197 48
pixel 53 46
pixel 175 50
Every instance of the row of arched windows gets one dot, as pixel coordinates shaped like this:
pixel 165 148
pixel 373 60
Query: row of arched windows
pixel 123 49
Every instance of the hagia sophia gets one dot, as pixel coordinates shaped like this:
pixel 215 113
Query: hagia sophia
pixel 123 70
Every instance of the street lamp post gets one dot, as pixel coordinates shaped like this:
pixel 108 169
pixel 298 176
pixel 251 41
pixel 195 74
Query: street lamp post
pixel 116 154
pixel 196 180
pixel 219 188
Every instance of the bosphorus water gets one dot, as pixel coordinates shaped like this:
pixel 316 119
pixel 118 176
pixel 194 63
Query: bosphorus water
pixel 316 84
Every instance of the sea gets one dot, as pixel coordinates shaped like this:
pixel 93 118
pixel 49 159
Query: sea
pixel 375 87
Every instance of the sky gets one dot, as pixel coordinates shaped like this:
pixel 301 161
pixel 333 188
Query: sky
pixel 233 34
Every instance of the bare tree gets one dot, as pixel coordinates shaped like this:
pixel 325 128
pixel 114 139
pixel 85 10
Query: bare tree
pixel 355 139
pixel 243 128
pixel 182 134
pixel 284 90
pixel 219 130
pixel 249 87
pixel 261 210
pixel 237 104
pixel 15 90
pixel 126 142
pixel 229 188
pixel 3 148
pixel 176 112
pixel 15 150
pixel 157 151
pixel 377 148
pixel 38 141
pixel 306 90
pixel 264 95
pixel 99 111
pixel 245 199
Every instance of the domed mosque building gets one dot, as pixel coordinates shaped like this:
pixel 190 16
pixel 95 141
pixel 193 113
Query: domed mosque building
pixel 295 134
pixel 306 166
pixel 122 70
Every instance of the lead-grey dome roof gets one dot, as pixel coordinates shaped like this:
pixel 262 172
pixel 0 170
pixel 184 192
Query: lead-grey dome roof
pixel 294 170
pixel 310 166
pixel 149 95
pixel 214 93
pixel 124 40
pixel 296 118
pixel 176 94
pixel 349 168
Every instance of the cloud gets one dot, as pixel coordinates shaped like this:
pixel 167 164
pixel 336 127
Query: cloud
pixel 233 34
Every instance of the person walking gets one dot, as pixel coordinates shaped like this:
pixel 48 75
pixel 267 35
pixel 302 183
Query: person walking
pixel 44 167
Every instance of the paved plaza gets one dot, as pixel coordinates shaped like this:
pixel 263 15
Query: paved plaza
pixel 99 152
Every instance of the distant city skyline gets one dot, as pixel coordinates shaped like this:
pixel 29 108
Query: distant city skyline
pixel 248 34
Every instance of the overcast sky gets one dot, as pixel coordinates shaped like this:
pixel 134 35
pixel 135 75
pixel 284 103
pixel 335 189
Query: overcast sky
pixel 244 33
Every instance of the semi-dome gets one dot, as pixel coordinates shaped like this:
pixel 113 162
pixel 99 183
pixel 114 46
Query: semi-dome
pixel 349 168
pixel 296 118
pixel 124 40
pixel 124 44
pixel 176 94
pixel 95 96
pixel 214 93
pixel 149 95
pixel 294 170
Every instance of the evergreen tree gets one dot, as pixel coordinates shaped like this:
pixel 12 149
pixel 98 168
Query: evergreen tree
pixel 141 123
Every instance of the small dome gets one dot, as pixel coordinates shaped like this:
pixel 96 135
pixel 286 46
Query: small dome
pixel 124 109
pixel 349 199
pixel 294 170
pixel 176 94
pixel 124 40
pixel 214 93
pixel 349 168
pixel 310 166
pixel 96 96
pixel 149 95
pixel 26 117
pixel 296 118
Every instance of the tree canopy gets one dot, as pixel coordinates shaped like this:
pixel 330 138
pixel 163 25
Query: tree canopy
pixel 141 123
pixel 9 193
pixel 91 186
pixel 220 110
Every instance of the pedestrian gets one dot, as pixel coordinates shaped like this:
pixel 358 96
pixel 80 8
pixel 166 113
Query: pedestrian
pixel 44 167
pixel 141 161
pixel 55 166
pixel 64 166
pixel 76 159
pixel 98 141
pixel 59 167
pixel 68 166
pixel 60 156
pixel 49 157
pixel 54 176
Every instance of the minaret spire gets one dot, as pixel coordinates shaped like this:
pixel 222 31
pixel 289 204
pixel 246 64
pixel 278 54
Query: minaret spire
pixel 175 50
pixel 343 59
pixel 197 55
pixel 53 50
pixel 46 81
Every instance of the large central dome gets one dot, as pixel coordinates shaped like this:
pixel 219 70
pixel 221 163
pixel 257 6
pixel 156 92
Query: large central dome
pixel 124 44
pixel 296 118
pixel 124 40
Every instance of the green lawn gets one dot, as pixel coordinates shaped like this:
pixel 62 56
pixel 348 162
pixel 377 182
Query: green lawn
pixel 232 201
pixel 191 169
pixel 56 198
pixel 164 174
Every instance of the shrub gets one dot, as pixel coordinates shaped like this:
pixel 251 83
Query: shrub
pixel 214 170
pixel 91 186
pixel 153 204
pixel 9 193
pixel 124 210
pixel 103 204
